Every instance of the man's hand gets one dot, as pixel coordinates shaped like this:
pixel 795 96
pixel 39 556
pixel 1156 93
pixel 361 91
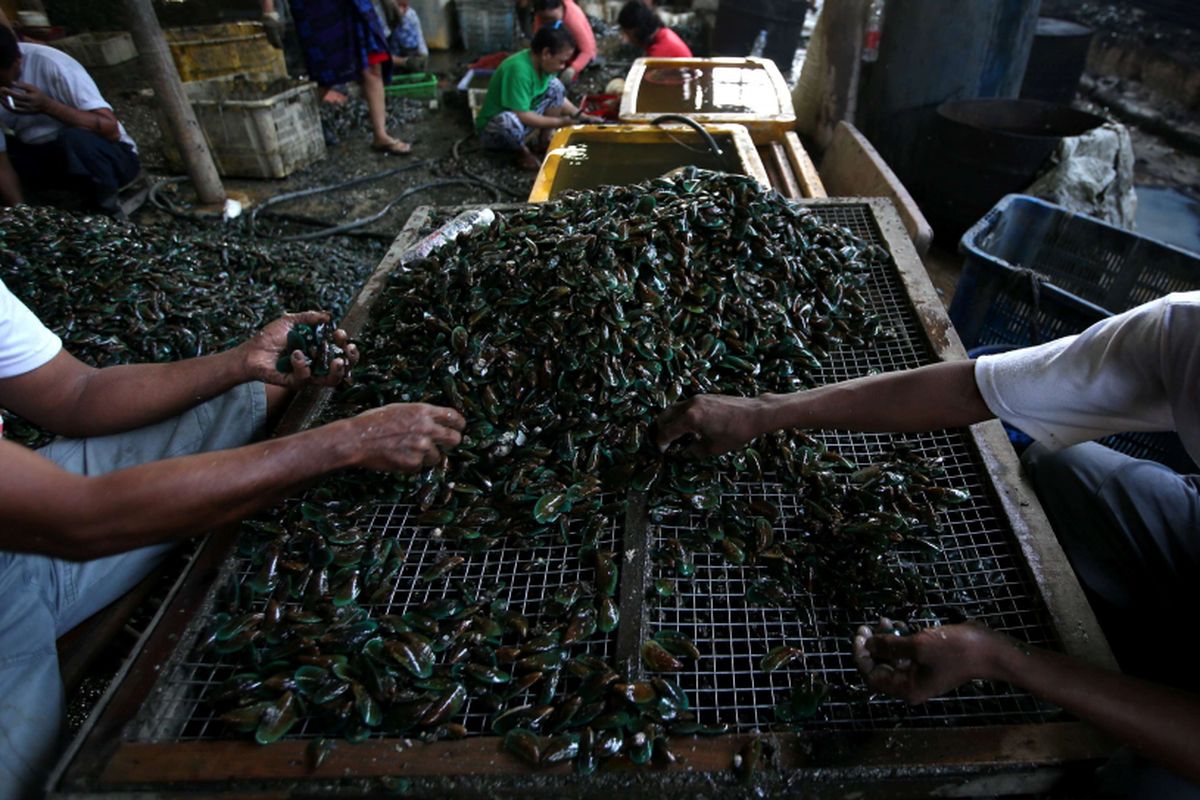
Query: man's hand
pixel 928 663
pixel 567 75
pixel 260 353
pixel 25 98
pixel 719 422
pixel 405 437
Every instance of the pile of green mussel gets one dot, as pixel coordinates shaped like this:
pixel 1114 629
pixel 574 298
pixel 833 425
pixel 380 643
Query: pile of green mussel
pixel 560 332
pixel 118 293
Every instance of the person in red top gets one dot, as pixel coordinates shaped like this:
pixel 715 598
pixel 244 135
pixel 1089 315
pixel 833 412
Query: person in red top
pixel 643 28
pixel 548 12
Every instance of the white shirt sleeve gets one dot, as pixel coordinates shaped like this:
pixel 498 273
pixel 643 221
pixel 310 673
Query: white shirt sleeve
pixel 1109 379
pixel 75 87
pixel 25 343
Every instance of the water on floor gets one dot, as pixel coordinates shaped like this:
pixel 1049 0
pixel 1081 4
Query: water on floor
pixel 1169 214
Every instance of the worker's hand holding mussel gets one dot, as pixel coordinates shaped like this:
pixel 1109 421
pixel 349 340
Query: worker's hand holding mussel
pixel 930 662
pixel 298 350
pixel 404 437
pixel 716 423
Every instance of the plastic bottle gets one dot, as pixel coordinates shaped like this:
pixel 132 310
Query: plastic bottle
pixel 476 217
pixel 873 32
pixel 760 44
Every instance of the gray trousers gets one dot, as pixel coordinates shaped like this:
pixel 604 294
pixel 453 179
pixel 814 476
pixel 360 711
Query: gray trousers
pixel 41 598
pixel 1131 530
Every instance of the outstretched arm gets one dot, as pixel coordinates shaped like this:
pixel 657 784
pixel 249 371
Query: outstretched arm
pixel 1161 723
pixel 72 399
pixel 53 512
pixel 532 119
pixel 936 396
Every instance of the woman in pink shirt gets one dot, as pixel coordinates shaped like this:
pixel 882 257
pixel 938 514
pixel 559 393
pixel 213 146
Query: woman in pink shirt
pixel 643 28
pixel 550 12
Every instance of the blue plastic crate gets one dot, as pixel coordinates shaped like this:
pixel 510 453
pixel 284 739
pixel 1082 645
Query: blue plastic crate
pixel 1035 272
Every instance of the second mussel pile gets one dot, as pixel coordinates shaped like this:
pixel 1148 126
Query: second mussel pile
pixel 119 294
pixel 560 332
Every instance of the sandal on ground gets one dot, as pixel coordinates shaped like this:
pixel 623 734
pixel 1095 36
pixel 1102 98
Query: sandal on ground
pixel 393 148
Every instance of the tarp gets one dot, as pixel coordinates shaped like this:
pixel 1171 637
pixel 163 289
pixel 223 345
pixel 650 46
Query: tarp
pixel 1092 174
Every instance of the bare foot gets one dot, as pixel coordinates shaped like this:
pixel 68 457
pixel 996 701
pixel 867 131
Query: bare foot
pixel 392 147
pixel 528 161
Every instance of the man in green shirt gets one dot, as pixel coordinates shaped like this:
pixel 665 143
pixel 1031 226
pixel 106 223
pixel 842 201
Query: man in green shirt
pixel 525 96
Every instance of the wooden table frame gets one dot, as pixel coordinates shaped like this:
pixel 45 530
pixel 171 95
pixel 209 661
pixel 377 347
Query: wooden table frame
pixel 899 762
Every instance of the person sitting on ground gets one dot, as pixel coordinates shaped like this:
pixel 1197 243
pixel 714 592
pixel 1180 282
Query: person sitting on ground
pixel 642 27
pixel 1128 527
pixel 64 134
pixel 343 41
pixel 524 98
pixel 162 452
pixel 568 12
pixel 406 41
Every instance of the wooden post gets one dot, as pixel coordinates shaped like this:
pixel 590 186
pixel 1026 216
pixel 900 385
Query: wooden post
pixel 164 77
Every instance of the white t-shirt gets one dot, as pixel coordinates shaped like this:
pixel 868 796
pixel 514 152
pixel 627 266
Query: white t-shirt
pixel 25 343
pixel 1137 371
pixel 62 78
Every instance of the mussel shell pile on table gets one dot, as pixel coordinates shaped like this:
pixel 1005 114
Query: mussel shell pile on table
pixel 119 293
pixel 560 331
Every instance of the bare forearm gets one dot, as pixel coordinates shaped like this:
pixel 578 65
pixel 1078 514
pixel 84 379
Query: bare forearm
pixel 100 124
pixel 936 396
pixel 165 500
pixel 124 397
pixel 534 120
pixel 1161 723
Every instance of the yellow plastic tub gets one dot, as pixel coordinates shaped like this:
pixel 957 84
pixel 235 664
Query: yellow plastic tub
pixel 588 156
pixel 739 91
pixel 213 51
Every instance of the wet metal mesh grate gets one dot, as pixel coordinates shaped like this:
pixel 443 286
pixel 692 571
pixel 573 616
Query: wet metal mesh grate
pixel 179 711
pixel 978 573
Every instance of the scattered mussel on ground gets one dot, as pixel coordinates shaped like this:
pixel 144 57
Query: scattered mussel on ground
pixel 560 331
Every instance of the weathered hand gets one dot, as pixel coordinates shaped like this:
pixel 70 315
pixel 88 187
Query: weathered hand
pixel 25 98
pixel 719 422
pixel 928 663
pixel 567 75
pixel 261 352
pixel 406 437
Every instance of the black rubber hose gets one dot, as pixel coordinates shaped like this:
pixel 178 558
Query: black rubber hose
pixel 164 203
pixel 712 143
pixel 462 167
pixel 358 223
pixel 287 196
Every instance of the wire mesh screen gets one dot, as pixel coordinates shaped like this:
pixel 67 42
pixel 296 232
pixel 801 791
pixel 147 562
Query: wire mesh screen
pixel 977 574
pixel 181 711
pixel 977 571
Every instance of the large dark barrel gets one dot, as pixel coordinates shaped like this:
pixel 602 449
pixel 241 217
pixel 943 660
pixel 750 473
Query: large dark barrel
pixel 1057 59
pixel 985 149
pixel 933 51
pixel 739 23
